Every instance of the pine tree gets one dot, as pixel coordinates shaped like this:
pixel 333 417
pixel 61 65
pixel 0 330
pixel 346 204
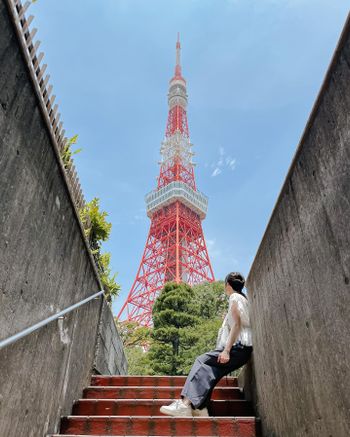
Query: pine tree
pixel 186 323
pixel 175 312
pixel 212 306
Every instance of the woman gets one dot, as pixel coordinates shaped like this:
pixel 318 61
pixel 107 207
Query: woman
pixel 233 350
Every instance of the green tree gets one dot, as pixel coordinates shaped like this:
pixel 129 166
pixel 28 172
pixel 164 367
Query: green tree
pixel 107 278
pixel 138 361
pixel 133 334
pixel 211 299
pixel 136 340
pixel 97 229
pixel 186 323
pixel 211 306
pixel 206 335
pixel 174 313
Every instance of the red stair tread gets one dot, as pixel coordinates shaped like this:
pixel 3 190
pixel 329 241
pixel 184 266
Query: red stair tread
pixel 159 425
pixel 123 406
pixel 105 392
pixel 153 381
pixel 150 407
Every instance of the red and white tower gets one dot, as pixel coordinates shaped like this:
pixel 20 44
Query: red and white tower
pixel 175 247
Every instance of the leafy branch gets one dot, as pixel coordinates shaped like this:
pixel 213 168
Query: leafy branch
pixel 133 334
pixel 67 153
pixel 97 229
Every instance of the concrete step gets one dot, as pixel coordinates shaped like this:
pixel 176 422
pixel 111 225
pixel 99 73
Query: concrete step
pixel 159 426
pixel 150 407
pixel 130 392
pixel 152 381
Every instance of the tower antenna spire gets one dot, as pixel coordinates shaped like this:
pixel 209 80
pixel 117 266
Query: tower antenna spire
pixel 178 57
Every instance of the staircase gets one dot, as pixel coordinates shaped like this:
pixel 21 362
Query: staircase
pixel 129 406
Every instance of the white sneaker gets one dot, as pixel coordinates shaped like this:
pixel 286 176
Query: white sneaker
pixel 177 408
pixel 200 413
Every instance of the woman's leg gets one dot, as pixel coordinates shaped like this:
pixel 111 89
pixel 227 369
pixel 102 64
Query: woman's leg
pixel 206 373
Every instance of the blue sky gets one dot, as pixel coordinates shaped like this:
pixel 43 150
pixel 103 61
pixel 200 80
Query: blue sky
pixel 253 69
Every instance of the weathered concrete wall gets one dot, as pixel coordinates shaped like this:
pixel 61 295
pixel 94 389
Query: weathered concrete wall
pixel 246 380
pixel 45 265
pixel 109 356
pixel 299 284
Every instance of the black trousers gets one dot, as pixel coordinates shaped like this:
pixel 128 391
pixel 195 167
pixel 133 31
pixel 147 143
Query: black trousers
pixel 206 373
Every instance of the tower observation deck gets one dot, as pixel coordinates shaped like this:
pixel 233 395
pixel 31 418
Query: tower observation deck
pixel 175 248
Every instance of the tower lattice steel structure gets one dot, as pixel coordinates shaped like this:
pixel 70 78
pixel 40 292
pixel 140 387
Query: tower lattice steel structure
pixel 175 248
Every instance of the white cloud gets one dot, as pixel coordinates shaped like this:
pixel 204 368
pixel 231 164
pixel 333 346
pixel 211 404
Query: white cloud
pixel 224 161
pixel 231 162
pixel 216 172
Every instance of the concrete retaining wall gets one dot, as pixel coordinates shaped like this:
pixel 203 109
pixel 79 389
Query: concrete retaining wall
pixel 109 355
pixel 299 284
pixel 45 265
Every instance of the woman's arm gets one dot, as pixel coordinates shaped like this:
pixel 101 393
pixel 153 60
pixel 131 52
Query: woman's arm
pixel 224 356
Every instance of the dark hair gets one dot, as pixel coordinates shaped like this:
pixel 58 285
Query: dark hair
pixel 236 280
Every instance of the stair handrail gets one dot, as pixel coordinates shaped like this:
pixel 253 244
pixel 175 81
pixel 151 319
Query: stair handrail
pixel 36 326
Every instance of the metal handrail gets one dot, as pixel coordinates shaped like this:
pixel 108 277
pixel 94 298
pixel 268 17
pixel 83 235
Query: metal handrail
pixel 38 325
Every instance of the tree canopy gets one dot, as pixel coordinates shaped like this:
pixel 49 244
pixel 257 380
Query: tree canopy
pixel 174 314
pixel 97 229
pixel 185 324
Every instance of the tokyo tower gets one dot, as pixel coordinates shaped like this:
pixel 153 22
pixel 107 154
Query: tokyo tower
pixel 175 248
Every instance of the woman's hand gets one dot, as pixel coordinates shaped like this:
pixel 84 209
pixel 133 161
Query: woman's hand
pixel 224 357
